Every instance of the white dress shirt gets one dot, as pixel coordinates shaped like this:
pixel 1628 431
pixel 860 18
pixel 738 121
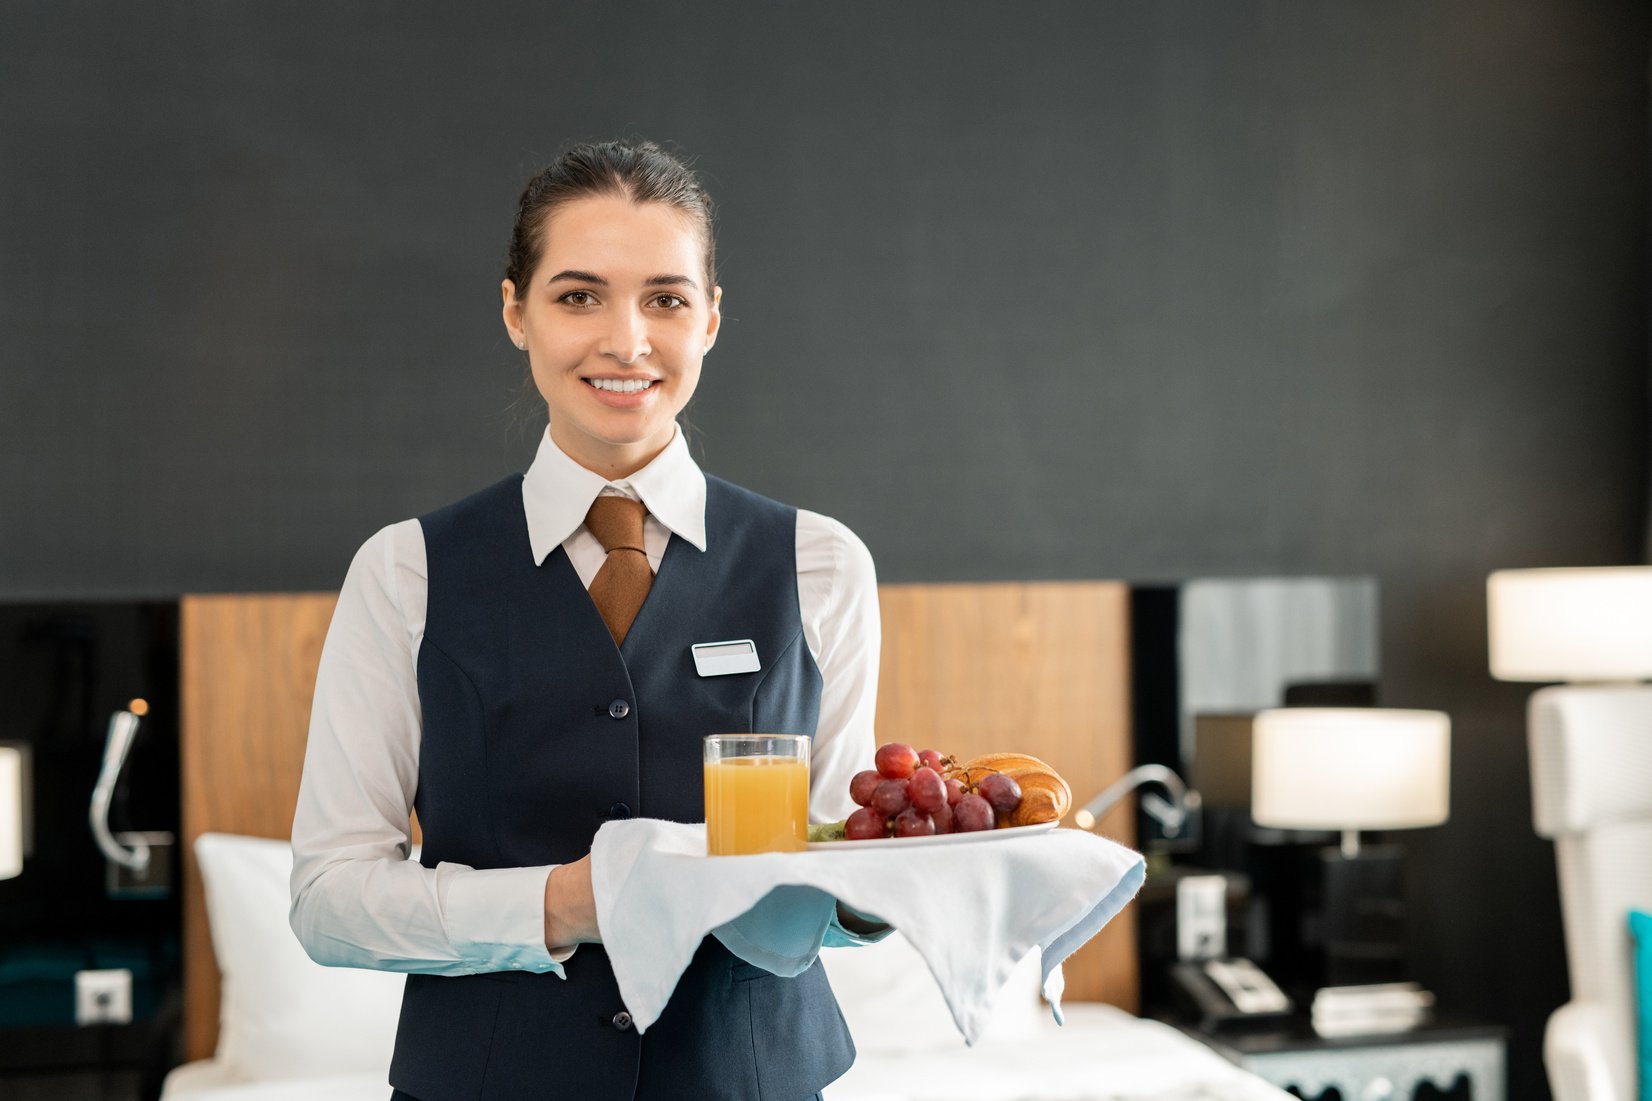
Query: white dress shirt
pixel 358 900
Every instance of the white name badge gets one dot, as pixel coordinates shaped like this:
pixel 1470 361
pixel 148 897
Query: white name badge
pixel 719 659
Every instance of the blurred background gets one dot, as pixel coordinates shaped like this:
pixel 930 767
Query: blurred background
pixel 1145 291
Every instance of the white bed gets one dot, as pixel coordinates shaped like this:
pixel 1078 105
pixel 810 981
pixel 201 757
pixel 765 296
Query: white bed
pixel 291 1030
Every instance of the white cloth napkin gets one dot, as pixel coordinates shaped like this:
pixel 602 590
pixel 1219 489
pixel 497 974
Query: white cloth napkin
pixel 972 909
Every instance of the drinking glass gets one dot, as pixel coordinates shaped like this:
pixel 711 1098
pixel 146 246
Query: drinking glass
pixel 757 793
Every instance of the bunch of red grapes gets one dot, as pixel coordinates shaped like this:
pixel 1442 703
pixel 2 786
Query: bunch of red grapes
pixel 913 794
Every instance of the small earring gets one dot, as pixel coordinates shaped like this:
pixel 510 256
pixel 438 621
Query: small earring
pixel 522 345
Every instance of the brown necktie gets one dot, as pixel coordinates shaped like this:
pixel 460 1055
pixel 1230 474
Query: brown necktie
pixel 622 584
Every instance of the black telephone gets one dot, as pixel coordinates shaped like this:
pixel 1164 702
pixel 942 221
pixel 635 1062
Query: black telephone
pixel 1221 993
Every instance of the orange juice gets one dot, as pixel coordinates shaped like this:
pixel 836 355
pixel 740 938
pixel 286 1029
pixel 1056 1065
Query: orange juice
pixel 756 805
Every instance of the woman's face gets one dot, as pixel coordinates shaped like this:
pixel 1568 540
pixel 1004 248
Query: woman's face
pixel 615 322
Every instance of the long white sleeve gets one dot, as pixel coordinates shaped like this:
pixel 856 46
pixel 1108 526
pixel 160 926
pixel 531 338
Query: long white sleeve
pixel 358 901
pixel 837 588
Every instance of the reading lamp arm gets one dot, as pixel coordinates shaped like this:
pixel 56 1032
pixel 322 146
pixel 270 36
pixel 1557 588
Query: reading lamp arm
pixel 123 727
pixel 1171 815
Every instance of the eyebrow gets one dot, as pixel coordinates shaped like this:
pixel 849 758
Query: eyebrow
pixel 572 275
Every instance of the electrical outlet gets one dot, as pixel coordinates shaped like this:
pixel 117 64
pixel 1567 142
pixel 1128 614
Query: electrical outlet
pixel 103 997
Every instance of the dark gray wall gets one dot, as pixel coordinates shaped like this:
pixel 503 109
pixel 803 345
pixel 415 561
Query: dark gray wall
pixel 1139 290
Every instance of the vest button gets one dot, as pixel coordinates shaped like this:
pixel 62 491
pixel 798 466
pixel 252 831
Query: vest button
pixel 620 810
pixel 618 709
pixel 622 1020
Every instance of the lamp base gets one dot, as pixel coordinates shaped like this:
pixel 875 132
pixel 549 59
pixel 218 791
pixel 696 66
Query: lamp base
pixel 1364 930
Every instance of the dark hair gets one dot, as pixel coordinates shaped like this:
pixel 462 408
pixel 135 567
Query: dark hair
pixel 639 171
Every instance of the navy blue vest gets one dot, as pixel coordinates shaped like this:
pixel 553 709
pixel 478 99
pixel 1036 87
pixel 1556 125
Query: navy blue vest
pixel 537 729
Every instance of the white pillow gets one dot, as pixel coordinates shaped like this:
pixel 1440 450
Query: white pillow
pixel 282 1015
pixel 893 1006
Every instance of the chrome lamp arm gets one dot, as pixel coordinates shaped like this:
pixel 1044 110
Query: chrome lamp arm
pixel 1172 815
pixel 123 728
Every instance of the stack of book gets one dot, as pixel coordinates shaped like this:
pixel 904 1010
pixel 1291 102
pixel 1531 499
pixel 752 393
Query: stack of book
pixel 1362 1010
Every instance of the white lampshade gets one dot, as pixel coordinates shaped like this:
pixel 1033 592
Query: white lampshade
pixel 1350 768
pixel 11 812
pixel 1571 624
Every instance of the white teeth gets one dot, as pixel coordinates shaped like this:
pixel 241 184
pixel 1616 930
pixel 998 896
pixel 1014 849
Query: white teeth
pixel 621 386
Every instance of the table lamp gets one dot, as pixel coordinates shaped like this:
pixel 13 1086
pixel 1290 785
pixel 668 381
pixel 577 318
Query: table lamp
pixel 1352 769
pixel 1579 625
pixel 11 812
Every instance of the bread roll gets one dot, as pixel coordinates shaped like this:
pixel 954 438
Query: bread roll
pixel 1045 796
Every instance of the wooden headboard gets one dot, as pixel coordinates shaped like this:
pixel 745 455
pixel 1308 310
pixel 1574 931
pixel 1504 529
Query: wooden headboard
pixel 1039 668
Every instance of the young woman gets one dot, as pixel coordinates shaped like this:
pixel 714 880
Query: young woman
pixel 516 668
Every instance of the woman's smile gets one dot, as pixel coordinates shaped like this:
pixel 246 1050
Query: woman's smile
pixel 620 385
pixel 626 393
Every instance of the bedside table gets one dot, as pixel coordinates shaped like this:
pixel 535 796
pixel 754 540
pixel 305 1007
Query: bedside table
pixel 1386 1067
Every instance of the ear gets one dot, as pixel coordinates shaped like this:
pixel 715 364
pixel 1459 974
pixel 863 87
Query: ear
pixel 715 322
pixel 512 313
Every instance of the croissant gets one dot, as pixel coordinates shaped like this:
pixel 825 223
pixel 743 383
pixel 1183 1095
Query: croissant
pixel 1045 796
pixel 1003 762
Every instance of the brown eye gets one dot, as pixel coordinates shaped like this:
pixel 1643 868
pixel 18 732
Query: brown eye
pixel 671 301
pixel 577 298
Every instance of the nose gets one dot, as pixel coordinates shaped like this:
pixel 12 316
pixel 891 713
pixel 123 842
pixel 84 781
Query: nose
pixel 627 336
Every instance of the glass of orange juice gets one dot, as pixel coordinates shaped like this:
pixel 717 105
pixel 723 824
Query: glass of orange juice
pixel 757 793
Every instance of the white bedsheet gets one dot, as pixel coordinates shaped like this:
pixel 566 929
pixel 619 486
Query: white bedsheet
pixel 205 1080
pixel 1101 1054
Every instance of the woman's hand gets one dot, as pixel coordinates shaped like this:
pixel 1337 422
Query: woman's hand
pixel 570 905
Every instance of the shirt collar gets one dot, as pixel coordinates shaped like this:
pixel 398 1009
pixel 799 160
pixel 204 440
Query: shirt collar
pixel 557 493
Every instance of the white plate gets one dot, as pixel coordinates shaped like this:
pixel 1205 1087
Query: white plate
pixel 935 839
